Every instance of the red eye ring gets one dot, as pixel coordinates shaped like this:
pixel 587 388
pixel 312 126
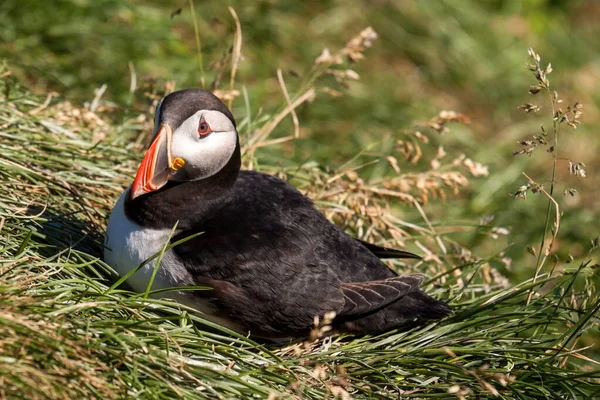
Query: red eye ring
pixel 204 128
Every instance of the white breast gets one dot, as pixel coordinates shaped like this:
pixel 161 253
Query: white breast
pixel 128 244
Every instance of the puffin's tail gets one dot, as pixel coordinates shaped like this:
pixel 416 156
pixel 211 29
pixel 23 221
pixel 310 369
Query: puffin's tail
pixel 420 306
pixel 412 310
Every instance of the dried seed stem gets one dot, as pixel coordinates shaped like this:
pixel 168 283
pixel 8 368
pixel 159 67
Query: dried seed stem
pixel 289 102
pixel 541 258
pixel 545 252
pixel 198 44
pixel 237 51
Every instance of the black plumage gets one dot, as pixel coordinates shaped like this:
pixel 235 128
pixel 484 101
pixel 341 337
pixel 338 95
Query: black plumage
pixel 274 262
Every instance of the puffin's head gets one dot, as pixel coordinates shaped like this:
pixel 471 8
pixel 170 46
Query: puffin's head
pixel 194 138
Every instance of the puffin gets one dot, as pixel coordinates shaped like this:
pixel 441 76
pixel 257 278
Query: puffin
pixel 271 262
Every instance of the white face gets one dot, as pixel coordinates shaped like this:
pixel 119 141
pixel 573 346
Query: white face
pixel 204 154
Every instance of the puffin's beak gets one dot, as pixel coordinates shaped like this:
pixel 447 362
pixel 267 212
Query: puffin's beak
pixel 155 170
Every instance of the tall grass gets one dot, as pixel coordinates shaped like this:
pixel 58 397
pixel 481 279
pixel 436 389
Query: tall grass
pixel 462 55
pixel 66 332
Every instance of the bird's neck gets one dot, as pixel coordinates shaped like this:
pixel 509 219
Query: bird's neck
pixel 186 203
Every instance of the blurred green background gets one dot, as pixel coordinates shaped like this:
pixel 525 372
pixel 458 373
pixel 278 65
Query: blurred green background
pixel 466 56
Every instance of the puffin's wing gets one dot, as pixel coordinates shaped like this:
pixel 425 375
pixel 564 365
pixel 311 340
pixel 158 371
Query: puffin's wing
pixel 387 252
pixel 365 297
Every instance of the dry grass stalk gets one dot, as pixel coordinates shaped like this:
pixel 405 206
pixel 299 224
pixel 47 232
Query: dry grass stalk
pixel 289 103
pixel 354 49
pixel 237 52
pixel 258 139
pixel 548 249
pixel 198 43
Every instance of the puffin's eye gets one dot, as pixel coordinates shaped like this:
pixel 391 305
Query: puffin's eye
pixel 204 128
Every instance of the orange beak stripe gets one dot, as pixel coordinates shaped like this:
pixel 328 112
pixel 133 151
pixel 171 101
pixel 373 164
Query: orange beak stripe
pixel 153 172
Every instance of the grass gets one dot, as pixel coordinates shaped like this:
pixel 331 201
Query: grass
pixel 67 332
pixel 457 55
pixel 524 327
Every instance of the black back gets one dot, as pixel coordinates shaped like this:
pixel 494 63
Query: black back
pixel 273 260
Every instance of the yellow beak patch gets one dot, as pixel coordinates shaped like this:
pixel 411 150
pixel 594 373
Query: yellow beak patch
pixel 177 163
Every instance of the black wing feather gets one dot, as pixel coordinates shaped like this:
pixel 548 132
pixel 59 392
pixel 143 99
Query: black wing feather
pixel 366 297
pixel 387 252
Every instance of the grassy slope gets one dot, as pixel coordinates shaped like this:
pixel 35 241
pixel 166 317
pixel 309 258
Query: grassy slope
pixel 64 333
pixel 461 55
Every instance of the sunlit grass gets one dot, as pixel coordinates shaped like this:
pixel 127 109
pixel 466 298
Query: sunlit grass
pixel 67 332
